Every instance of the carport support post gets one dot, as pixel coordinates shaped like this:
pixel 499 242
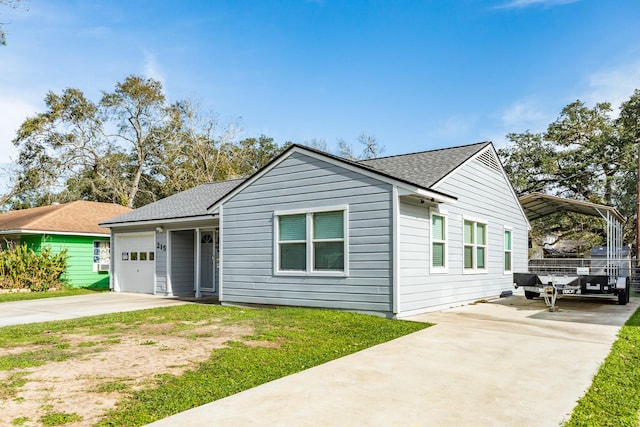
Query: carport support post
pixel 198 256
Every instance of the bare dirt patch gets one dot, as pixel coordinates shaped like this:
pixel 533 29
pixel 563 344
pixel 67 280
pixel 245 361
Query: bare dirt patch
pixel 108 367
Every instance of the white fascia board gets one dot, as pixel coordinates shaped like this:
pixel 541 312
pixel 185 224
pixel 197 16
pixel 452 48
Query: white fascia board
pixel 157 222
pixel 425 194
pixel 61 233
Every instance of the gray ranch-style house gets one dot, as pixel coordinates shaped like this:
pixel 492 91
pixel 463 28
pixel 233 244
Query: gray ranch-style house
pixel 393 236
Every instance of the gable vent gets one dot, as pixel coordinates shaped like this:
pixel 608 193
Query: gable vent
pixel 489 160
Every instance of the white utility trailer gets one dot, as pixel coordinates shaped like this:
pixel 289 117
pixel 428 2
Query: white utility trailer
pixel 605 273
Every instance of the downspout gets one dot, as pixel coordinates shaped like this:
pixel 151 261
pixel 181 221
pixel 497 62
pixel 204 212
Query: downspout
pixel 220 252
pixel 112 263
pixel 395 235
pixel 198 267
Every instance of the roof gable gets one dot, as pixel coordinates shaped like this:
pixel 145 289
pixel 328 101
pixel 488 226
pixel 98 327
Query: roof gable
pixel 80 217
pixel 426 168
pixel 360 167
pixel 185 204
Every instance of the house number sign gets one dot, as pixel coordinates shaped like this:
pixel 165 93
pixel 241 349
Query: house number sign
pixel 161 247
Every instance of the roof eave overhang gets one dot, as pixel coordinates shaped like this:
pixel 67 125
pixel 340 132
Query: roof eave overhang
pixel 421 193
pixel 160 221
pixel 61 233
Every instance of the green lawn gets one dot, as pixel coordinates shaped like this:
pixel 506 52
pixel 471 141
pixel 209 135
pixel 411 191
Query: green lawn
pixel 614 396
pixel 300 338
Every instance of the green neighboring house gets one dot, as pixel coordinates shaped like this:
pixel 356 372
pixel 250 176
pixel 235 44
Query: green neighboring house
pixel 71 226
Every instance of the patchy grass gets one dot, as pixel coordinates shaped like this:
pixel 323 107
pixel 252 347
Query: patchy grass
pixel 59 418
pixel 613 398
pixel 111 386
pixel 21 296
pixel 10 386
pixel 273 343
pixel 20 421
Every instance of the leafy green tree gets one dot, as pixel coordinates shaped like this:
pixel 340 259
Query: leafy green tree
pixel 131 147
pixel 585 154
pixel 530 162
pixel 251 154
pixel 102 151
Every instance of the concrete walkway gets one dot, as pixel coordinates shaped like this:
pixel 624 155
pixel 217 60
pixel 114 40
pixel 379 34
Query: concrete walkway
pixel 61 308
pixel 505 363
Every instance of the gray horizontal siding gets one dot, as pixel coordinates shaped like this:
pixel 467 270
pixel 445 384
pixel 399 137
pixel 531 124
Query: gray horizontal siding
pixel 182 262
pixel 301 181
pixel 483 194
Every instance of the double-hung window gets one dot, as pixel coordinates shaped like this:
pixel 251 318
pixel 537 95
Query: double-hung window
pixel 475 245
pixel 438 242
pixel 507 250
pixel 311 242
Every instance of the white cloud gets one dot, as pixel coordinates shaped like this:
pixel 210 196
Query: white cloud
pixel 524 114
pixel 612 85
pixel 455 127
pixel 152 68
pixel 13 111
pixel 519 4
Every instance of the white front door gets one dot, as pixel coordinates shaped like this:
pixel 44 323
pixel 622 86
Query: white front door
pixel 207 260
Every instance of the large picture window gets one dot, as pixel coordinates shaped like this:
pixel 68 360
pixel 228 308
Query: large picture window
pixel 438 242
pixel 311 242
pixel 475 245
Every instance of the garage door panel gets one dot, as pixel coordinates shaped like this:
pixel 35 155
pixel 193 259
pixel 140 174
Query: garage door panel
pixel 135 262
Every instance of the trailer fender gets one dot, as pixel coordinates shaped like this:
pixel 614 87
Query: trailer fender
pixel 622 282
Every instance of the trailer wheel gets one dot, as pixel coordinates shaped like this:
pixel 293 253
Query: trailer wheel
pixel 623 296
pixel 531 294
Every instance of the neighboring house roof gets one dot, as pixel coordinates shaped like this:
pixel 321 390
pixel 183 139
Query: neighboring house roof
pixel 79 217
pixel 425 168
pixel 186 204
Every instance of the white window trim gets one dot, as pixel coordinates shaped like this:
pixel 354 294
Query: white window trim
pixel 309 241
pixel 445 268
pixel 504 249
pixel 475 269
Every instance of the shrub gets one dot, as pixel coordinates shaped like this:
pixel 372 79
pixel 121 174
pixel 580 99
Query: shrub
pixel 23 268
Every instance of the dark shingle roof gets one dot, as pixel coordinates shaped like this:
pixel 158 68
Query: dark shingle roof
pixel 427 167
pixel 189 203
pixel 423 169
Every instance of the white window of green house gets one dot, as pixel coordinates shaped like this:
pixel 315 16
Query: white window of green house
pixel 311 242
pixel 475 246
pixel 507 251
pixel 438 243
pixel 101 255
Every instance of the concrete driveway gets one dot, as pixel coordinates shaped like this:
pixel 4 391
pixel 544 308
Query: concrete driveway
pixel 46 309
pixel 509 362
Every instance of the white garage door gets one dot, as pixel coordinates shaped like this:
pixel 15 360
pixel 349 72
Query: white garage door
pixel 135 262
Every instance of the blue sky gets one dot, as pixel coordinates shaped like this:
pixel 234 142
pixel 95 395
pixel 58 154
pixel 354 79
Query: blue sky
pixel 417 74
